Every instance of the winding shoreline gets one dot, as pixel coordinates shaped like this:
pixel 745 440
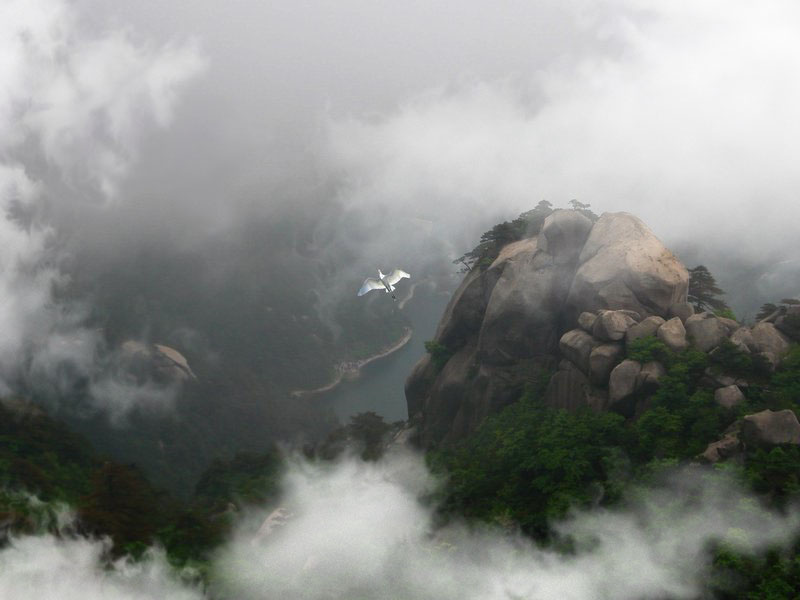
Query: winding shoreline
pixel 352 367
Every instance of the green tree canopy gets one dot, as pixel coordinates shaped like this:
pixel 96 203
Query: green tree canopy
pixel 703 290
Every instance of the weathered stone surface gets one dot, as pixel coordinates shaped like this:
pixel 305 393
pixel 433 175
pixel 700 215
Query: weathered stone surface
pixel 649 326
pixel 611 325
pixel 418 384
pixel 622 382
pixel 464 313
pixel 715 380
pixel 602 359
pixel 154 361
pixel 743 340
pixel 632 314
pixel 771 428
pixel 705 331
pixel 577 345
pixel 727 447
pixel 673 334
pixel 563 235
pixel 567 389
pixel 730 324
pixel 624 266
pixel 769 341
pixel 650 375
pixel 682 310
pixel 522 314
pixel 586 321
pixel 507 321
pixel 729 396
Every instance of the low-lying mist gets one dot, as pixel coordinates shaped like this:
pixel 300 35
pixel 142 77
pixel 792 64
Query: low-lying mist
pixel 369 530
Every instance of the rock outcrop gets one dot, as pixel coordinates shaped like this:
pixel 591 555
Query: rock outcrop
pixel 522 314
pixel 570 302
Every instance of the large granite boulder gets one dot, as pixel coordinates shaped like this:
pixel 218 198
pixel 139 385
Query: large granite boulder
pixel 727 447
pixel 650 375
pixel 728 396
pixel 611 325
pixel 567 389
pixel 742 338
pixel 705 331
pixel 647 327
pixel 673 334
pixel 563 235
pixel 622 382
pixel 586 321
pixel 624 266
pixel 507 322
pixel 770 342
pixel 522 314
pixel 602 360
pixel 771 428
pixel 682 310
pixel 576 346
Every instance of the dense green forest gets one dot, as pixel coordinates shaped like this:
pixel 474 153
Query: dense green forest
pixel 531 464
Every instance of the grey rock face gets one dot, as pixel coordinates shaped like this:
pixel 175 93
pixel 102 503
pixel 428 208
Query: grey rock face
pixel 673 334
pixel 611 325
pixel 567 389
pixel 706 331
pixel 727 447
pixel 522 314
pixel 650 375
pixel 563 235
pixel 743 340
pixel 729 396
pixel 507 321
pixel 771 342
pixel 465 311
pixel 602 359
pixel 622 383
pixel 577 346
pixel 771 428
pixel 730 324
pixel 418 383
pixel 586 321
pixel 624 266
pixel 682 310
pixel 647 327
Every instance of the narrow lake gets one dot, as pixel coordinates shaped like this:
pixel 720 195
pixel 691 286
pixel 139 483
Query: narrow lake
pixel 380 386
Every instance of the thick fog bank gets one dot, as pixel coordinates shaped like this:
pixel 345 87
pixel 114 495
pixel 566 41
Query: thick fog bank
pixel 366 529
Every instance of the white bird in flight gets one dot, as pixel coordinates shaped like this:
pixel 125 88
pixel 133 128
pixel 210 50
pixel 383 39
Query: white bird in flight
pixel 385 282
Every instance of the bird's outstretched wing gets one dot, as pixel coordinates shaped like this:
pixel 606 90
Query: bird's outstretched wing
pixel 370 283
pixel 396 276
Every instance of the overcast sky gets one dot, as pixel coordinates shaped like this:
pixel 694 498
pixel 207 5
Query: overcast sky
pixel 126 120
pixel 684 113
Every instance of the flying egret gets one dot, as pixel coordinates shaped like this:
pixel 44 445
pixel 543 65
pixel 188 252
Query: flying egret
pixel 385 282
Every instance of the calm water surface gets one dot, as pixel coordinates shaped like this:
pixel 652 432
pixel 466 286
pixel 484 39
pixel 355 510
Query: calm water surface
pixel 380 386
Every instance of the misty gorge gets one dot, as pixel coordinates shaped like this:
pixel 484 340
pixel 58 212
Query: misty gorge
pixel 588 387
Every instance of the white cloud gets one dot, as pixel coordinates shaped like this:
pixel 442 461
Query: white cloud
pixel 49 568
pixel 691 123
pixel 72 109
pixel 359 530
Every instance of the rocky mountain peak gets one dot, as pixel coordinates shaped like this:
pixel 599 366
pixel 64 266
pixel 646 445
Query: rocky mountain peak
pixel 507 321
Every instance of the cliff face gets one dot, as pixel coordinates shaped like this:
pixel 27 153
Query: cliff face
pixel 504 323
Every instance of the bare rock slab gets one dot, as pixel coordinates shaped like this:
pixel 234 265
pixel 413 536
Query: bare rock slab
pixel 673 334
pixel 729 396
pixel 771 428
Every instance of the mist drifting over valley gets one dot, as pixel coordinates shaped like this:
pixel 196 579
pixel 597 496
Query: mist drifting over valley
pixel 216 180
